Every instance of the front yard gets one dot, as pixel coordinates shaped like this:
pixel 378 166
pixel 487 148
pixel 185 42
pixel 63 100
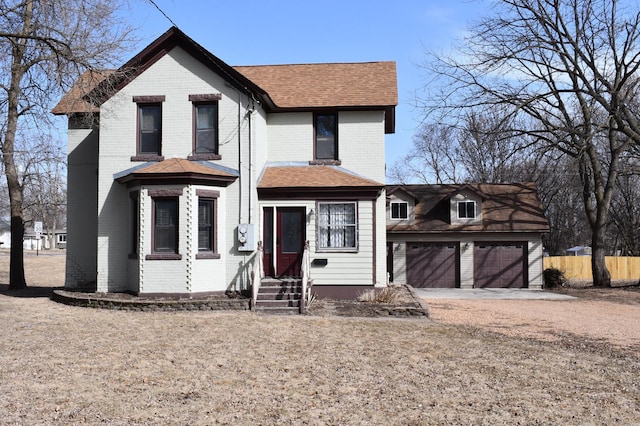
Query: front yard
pixel 71 365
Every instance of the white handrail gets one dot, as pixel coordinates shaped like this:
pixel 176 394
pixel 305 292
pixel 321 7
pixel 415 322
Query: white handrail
pixel 306 275
pixel 257 273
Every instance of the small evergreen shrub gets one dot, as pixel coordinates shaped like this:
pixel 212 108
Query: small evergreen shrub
pixel 553 277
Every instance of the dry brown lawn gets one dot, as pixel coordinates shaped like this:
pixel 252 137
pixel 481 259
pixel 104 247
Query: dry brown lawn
pixel 69 365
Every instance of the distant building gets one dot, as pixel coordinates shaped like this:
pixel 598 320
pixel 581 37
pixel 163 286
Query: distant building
pixel 578 251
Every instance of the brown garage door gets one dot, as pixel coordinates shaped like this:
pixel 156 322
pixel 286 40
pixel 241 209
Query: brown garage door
pixel 499 265
pixel 433 265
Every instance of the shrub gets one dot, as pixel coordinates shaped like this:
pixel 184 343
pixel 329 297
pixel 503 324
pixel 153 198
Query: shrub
pixel 553 277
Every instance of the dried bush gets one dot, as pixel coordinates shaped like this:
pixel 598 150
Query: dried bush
pixel 386 295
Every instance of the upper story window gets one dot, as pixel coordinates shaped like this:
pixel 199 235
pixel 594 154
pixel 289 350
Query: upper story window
pixel 399 210
pixel 337 226
pixel 149 143
pixel 326 136
pixel 466 209
pixel 205 126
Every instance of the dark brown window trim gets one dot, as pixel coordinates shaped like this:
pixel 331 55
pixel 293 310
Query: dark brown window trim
pixel 175 192
pixel 325 163
pixel 207 255
pixel 209 97
pixel 204 157
pixel 207 193
pixel 147 157
pixel 163 256
pixel 148 99
pixel 315 134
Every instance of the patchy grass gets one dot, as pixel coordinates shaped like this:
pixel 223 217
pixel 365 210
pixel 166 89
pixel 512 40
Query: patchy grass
pixel 70 365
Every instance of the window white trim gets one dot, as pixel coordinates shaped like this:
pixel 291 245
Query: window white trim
pixel 467 209
pixel 399 214
pixel 337 226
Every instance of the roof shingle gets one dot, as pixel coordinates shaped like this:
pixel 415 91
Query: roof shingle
pixel 327 85
pixel 312 177
pixel 505 208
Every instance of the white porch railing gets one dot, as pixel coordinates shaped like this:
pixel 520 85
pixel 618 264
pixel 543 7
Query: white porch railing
pixel 306 278
pixel 257 274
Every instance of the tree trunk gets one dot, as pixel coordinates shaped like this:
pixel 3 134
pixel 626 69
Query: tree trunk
pixel 16 265
pixel 601 275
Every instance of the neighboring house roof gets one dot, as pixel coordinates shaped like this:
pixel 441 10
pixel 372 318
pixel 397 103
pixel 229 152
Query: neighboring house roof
pixel 177 169
pixel 279 87
pixel 505 208
pixel 278 179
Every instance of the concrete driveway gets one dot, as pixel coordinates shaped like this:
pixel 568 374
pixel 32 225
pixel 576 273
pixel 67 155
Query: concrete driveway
pixel 489 294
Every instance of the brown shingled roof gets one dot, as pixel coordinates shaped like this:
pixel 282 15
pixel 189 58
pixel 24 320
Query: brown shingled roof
pixel 177 169
pixel 505 208
pixel 73 100
pixel 307 86
pixel 312 177
pixel 327 85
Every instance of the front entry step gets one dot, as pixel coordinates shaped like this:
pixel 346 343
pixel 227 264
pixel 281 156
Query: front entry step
pixel 279 296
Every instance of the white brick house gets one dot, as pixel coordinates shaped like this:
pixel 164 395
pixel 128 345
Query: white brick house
pixel 194 161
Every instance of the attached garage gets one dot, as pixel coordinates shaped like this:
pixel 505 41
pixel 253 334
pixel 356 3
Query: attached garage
pixel 499 264
pixel 465 236
pixel 433 265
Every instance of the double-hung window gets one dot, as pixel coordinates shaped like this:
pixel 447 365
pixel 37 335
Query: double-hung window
pixel 466 209
pixel 149 139
pixel 205 126
pixel 337 226
pixel 399 210
pixel 207 247
pixel 326 136
pixel 164 224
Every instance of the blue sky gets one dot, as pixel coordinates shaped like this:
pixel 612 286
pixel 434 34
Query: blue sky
pixel 262 32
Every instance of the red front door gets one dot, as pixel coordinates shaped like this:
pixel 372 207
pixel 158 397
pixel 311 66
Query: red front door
pixel 290 235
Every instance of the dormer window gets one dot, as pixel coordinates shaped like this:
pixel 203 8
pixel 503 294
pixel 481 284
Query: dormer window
pixel 466 209
pixel 399 210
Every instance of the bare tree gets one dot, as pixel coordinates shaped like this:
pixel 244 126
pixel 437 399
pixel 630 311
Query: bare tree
pixel 43 179
pixel 569 67
pixel 47 44
pixel 433 157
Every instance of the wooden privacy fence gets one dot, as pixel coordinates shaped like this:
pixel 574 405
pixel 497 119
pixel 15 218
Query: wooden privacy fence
pixel 579 267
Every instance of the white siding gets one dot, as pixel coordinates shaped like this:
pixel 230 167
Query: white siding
pixel 536 268
pixel 290 136
pixel 82 217
pixel 361 143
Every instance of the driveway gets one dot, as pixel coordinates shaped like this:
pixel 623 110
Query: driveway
pixel 489 294
pixel 585 317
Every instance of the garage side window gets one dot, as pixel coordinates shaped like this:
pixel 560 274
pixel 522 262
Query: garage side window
pixel 466 209
pixel 337 226
pixel 399 210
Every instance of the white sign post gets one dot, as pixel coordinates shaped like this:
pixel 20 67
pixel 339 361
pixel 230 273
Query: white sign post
pixel 37 229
